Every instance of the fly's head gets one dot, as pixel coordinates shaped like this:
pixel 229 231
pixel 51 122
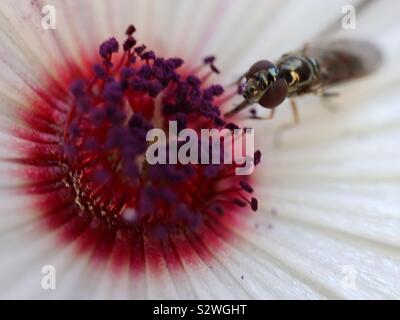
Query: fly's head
pixel 263 86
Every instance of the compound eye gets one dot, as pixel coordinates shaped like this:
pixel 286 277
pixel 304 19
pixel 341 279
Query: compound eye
pixel 275 95
pixel 259 66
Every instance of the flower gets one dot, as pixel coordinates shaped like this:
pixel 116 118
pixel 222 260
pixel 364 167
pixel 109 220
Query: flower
pixel 327 225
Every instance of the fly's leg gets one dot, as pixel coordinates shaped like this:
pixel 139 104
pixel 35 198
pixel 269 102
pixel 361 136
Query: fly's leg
pixel 327 95
pixel 282 129
pixel 295 112
pixel 326 99
pixel 269 117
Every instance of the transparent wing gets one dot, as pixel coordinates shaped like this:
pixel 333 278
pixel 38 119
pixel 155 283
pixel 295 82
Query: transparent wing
pixel 344 60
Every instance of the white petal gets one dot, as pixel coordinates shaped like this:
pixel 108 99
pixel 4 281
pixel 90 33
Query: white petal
pixel 332 184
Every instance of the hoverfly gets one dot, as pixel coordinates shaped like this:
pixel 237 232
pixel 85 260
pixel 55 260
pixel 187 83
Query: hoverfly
pixel 313 69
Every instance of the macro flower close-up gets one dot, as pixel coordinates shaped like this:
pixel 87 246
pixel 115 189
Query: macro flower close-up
pixel 95 206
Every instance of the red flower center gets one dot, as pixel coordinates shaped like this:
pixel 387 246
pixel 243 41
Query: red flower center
pixel 91 174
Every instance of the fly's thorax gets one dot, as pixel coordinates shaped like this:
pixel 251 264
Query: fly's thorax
pixel 300 73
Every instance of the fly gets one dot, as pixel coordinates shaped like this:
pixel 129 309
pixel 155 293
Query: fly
pixel 311 70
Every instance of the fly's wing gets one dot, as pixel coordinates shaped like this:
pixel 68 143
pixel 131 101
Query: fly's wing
pixel 344 60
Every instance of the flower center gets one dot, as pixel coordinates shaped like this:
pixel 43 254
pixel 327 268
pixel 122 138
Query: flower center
pixel 102 191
